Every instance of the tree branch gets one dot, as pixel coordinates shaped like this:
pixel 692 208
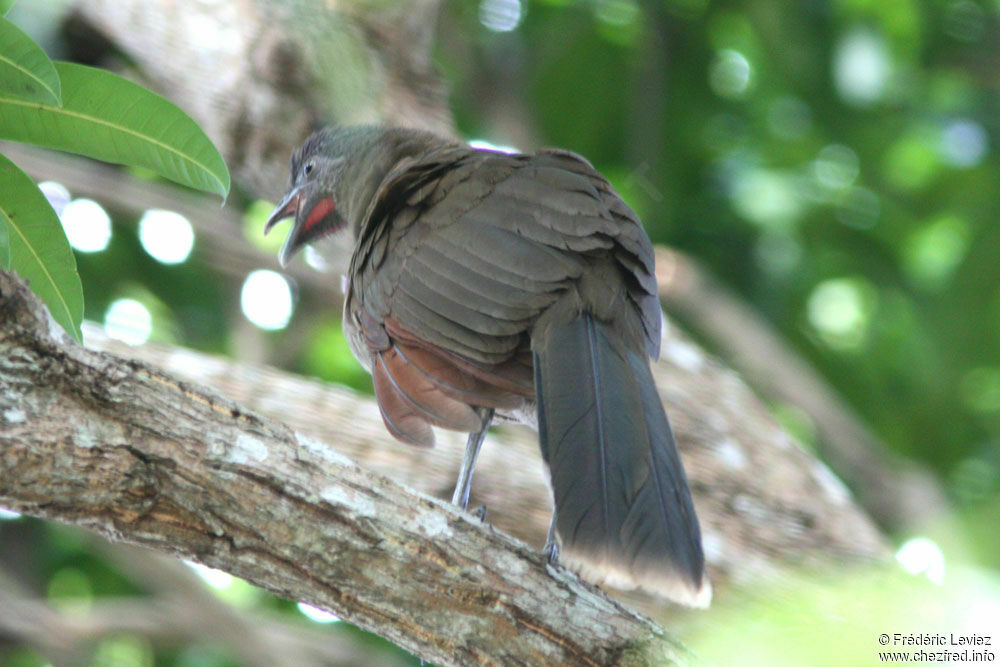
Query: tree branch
pixel 765 504
pixel 122 448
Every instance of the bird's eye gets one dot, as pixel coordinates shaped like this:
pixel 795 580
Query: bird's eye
pixel 308 168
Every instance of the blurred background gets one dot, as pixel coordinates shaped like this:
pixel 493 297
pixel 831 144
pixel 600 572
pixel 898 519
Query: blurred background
pixel 833 165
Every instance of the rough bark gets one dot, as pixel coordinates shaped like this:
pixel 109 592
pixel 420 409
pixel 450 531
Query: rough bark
pixel 140 456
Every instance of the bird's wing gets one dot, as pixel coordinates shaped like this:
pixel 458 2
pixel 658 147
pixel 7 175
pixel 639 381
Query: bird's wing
pixel 632 248
pixel 458 255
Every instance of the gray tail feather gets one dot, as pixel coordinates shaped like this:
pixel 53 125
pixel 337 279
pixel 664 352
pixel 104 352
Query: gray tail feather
pixel 623 509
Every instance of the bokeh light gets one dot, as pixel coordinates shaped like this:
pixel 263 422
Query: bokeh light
pixel 266 299
pixel 921 555
pixel 167 236
pixel 217 579
pixel 859 208
pixel 500 15
pixel 56 194
pixel 124 649
pixel 766 197
pixel 730 74
pixel 316 614
pixel 87 225
pixel 912 161
pixel 934 251
pixel 836 167
pixel 70 587
pixel 617 13
pixel 315 259
pixel 861 67
pixel 129 321
pixel 838 310
pixel 964 143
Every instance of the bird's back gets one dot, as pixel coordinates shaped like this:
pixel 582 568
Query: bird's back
pixel 462 252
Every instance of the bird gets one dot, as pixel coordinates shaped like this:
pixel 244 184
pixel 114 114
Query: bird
pixel 488 287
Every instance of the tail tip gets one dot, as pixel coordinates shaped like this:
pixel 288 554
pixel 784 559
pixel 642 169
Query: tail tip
pixel 666 583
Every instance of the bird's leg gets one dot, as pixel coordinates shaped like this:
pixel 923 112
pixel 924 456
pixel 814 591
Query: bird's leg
pixel 551 548
pixel 475 441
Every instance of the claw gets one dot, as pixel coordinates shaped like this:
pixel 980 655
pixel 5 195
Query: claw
pixel 551 548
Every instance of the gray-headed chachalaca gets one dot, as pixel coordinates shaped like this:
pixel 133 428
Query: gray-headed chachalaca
pixel 485 285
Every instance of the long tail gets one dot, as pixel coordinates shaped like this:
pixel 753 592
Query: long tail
pixel 623 509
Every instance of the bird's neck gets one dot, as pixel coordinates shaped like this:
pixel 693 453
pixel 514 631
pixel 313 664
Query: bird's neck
pixel 375 153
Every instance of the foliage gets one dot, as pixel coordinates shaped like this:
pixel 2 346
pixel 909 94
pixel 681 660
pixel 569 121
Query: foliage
pixel 92 112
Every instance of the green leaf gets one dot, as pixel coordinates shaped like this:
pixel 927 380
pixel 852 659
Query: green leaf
pixel 39 251
pixel 107 117
pixel 5 6
pixel 25 71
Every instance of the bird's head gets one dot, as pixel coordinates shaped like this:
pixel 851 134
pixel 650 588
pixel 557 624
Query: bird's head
pixel 317 169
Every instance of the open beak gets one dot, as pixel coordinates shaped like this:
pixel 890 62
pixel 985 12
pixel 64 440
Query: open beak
pixel 287 208
pixel 315 216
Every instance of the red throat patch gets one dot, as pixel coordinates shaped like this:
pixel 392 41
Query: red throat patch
pixel 319 211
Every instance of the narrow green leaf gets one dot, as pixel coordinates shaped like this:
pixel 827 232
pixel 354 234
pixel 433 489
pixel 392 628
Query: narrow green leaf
pixel 107 117
pixel 4 245
pixel 39 251
pixel 26 73
pixel 5 6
